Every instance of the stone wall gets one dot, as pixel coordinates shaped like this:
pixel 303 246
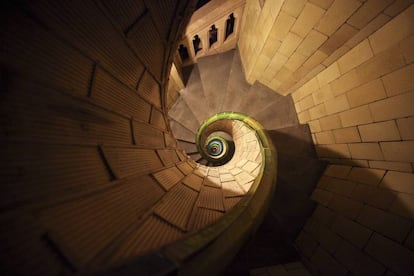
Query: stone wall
pixel 285 43
pixel 363 223
pixel 360 110
pixel 83 127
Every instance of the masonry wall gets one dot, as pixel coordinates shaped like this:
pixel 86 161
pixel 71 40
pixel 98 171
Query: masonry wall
pixel 360 110
pixel 286 43
pixel 83 128
pixel 363 223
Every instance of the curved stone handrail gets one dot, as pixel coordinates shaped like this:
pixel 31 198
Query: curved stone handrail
pixel 208 250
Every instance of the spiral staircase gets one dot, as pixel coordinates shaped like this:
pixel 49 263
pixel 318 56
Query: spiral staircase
pixel 95 181
pixel 216 84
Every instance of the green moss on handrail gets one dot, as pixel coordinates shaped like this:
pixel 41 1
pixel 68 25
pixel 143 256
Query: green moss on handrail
pixel 210 249
pixel 265 182
pixel 253 124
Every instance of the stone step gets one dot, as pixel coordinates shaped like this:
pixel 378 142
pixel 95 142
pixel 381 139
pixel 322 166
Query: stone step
pixel 237 86
pixel 193 94
pixel 293 140
pixel 195 156
pixel 298 173
pixel 267 247
pixel 278 113
pixel 187 147
pixel 203 162
pixel 258 97
pixel 181 113
pixel 290 208
pixel 214 75
pixel 181 132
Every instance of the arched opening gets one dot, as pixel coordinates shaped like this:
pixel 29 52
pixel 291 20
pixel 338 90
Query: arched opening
pixel 229 26
pixel 197 44
pixel 183 51
pixel 212 35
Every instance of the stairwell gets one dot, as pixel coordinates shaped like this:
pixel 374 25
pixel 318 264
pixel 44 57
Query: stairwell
pixel 89 159
pixel 217 84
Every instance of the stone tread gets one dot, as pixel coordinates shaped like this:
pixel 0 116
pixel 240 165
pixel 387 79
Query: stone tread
pixel 214 74
pixel 237 86
pixel 194 198
pixel 181 132
pixel 181 113
pixel 193 94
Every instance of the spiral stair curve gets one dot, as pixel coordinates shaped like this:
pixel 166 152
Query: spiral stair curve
pixel 96 184
pixel 216 87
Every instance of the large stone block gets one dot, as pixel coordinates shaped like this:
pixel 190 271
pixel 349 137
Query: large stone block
pixel 384 131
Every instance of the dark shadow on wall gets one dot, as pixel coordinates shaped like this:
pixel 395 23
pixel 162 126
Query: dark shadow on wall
pixel 299 170
pixel 186 71
pixel 299 174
